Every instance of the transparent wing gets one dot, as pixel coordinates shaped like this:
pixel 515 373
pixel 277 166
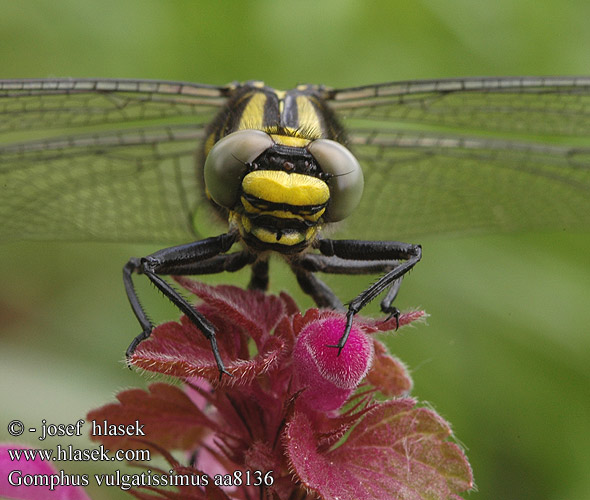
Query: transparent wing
pixel 124 184
pixel 128 175
pixel 431 183
pixel 131 185
pixel 64 103
pixel 475 154
pixel 524 105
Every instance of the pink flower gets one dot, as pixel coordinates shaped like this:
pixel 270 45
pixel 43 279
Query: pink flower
pixel 22 477
pixel 295 420
pixel 328 379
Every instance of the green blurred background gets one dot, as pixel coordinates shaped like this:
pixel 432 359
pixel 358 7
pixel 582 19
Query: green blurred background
pixel 505 355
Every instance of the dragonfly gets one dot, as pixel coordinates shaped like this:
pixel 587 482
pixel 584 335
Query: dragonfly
pixel 230 175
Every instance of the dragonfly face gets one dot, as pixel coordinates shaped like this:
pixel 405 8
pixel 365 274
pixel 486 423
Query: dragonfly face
pixel 278 166
pixel 272 161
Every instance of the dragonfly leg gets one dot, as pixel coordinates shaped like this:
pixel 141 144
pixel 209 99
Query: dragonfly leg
pixel 204 256
pixel 335 265
pixel 259 278
pixel 396 258
pixel 319 291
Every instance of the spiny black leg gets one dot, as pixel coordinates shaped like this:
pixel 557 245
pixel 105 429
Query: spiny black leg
pixel 370 293
pixel 196 317
pixel 367 250
pixel 200 256
pixel 319 291
pixel 387 306
pixel 230 262
pixel 371 251
pixel 133 265
pixel 335 265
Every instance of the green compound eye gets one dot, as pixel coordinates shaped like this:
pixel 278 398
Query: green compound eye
pixel 346 180
pixel 227 161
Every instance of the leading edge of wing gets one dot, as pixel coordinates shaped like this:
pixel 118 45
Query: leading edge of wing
pixel 37 104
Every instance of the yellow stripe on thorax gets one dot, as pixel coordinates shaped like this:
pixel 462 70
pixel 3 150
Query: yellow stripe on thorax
pixel 253 114
pixel 277 186
pixel 307 114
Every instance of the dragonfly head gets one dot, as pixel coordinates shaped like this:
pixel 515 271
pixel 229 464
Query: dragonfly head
pixel 317 173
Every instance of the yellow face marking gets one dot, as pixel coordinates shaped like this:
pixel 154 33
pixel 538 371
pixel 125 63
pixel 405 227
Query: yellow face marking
pixel 286 239
pixel 286 140
pixel 277 186
pixel 266 236
pixel 253 114
pixel 281 214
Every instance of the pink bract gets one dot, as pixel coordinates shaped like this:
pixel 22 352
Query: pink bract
pixel 305 418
